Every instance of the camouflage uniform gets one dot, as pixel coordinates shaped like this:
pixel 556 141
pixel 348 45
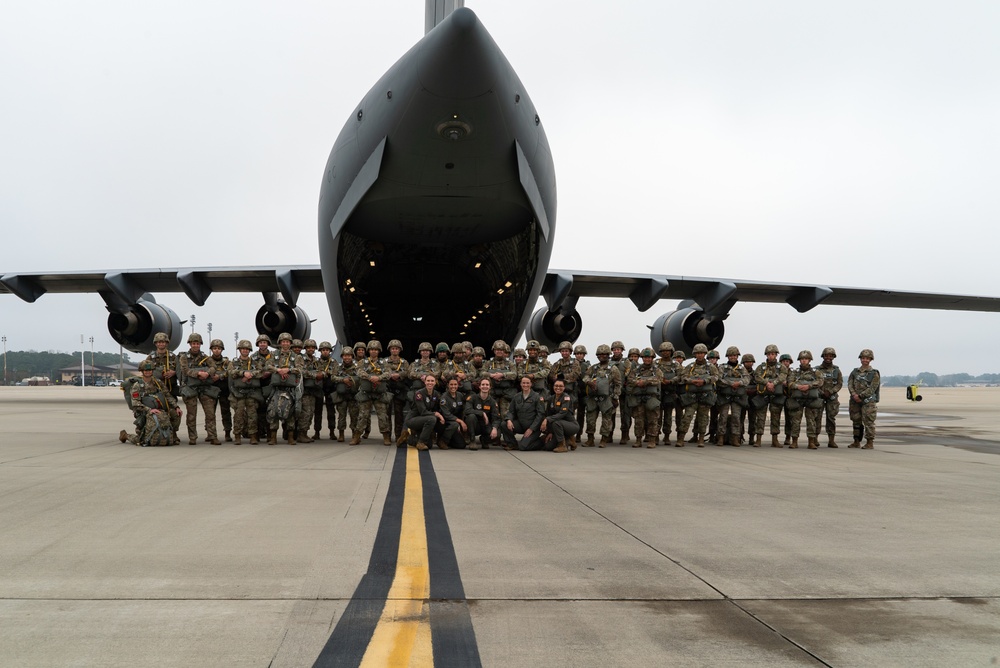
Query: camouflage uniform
pixel 645 381
pixel 773 399
pixel 345 383
pixel 221 381
pixel 503 372
pixel 604 386
pixel 580 353
pixel 804 401
pixel 164 362
pixel 327 366
pixel 262 357
pixel 680 394
pixel 312 391
pixel 863 385
pixel 833 381
pixel 624 367
pixel 374 375
pixel 537 369
pixel 284 390
pixel 668 389
pixel 731 398
pixel 246 394
pixel 398 386
pixel 197 390
pixel 150 428
pixel 698 398
pixel 567 367
pixel 749 417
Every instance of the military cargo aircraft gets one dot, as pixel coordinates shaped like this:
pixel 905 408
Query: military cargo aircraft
pixel 443 168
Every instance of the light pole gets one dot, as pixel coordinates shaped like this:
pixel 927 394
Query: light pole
pixel 236 337
pixel 4 360
pixel 192 323
pixel 92 356
pixel 83 370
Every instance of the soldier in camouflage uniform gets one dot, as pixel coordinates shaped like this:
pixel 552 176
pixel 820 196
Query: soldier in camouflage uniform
pixel 580 353
pixel 503 373
pixel 151 404
pixel 618 360
pixel 373 393
pixel 786 361
pixel 244 388
pixel 713 413
pixel 443 362
pixel 645 381
pixel 536 368
pixel 398 386
pixel 286 383
pixel 326 369
pixel 699 394
pixel 668 389
pixel 262 358
pixel 863 385
pixel 312 391
pixel 803 397
pixel 477 368
pixel 165 364
pixel 680 392
pixel 518 358
pixel 458 368
pixel 604 386
pixel 568 368
pixel 196 370
pixel 345 386
pixel 770 377
pixel 221 380
pixel 750 414
pixel 833 381
pixel 731 397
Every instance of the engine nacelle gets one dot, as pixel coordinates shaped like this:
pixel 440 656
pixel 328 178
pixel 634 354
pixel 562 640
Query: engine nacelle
pixel 550 328
pixel 273 319
pixel 134 329
pixel 685 327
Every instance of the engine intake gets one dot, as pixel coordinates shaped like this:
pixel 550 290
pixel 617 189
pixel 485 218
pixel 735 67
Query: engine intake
pixel 277 317
pixel 550 328
pixel 134 328
pixel 685 327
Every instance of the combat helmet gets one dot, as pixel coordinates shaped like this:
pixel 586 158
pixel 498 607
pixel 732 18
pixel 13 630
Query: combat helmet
pixel 771 348
pixel 645 352
pixel 359 344
pixel 748 358
pixel 425 345
pixel 785 356
pixel 580 349
pixel 543 350
pixel 146 365
pixel 519 352
pixel 195 337
pixel 828 351
pixel 805 355
pixel 442 347
pixel 296 343
pixel 374 344
pixel 458 348
pixel 263 337
pixel 244 344
pixel 632 351
pixel 161 336
pixel 309 343
pixel 679 355
pixel 604 349
pixel 396 343
pixel 325 345
pixel 285 336
pixel 699 348
pixel 565 345
pixel 732 350
pixel 617 344
pixel 666 347
pixel 500 344
pixel 867 352
pixel 478 350
pixel 713 354
pixel 217 343
pixel 532 344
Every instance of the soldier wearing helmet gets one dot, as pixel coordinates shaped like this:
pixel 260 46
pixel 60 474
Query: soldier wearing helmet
pixel 457 367
pixel 312 390
pixel 771 378
pixel 325 367
pixel 422 366
pixel 398 386
pixel 536 368
pixel 221 381
pixel 519 356
pixel 750 414
pixel 345 387
pixel 803 398
pixel 286 369
pixel 262 357
pixel 603 381
pixel 713 412
pixel 244 388
pixel 373 393
pixel 618 359
pixel 567 368
pixel 156 414
pixel 864 384
pixel 642 391
pixel 699 380
pixel 503 372
pixel 786 361
pixel 833 381
pixel 165 363
pixel 731 397
pixel 580 353
pixel 669 409
pixel 297 346
pixel 476 369
pixel 196 370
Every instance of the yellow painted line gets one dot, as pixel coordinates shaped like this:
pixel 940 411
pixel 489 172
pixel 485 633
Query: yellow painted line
pixel 403 634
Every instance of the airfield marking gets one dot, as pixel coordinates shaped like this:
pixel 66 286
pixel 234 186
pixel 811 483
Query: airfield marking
pixel 409 608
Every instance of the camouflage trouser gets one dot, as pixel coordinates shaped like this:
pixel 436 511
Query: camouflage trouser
pixel 863 419
pixel 775 410
pixel 730 419
pixel 647 421
pixel 669 412
pixel 150 434
pixel 305 418
pixel 606 421
pixel 700 413
pixel 208 407
pixel 225 406
pixel 812 421
pixel 365 416
pixel 244 416
pixel 831 407
pixel 345 408
pixel 503 403
pixel 325 401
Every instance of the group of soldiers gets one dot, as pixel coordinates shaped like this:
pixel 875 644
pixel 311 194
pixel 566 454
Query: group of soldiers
pixel 450 396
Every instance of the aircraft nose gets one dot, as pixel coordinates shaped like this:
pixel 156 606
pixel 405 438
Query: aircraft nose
pixel 459 58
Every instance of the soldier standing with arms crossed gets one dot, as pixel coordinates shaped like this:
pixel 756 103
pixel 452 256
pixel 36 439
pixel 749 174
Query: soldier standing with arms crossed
pixel 244 382
pixel 731 397
pixel 833 380
pixel 863 384
pixel 221 380
pixel 770 378
pixel 197 370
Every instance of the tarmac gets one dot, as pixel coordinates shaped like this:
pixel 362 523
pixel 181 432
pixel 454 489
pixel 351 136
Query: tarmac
pixel 115 555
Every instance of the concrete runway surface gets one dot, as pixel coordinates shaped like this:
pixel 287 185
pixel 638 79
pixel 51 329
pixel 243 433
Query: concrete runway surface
pixel 114 555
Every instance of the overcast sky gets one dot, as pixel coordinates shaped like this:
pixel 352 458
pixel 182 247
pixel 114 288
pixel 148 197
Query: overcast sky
pixel 850 143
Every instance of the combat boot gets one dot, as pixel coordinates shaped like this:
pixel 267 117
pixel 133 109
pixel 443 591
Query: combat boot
pixel 795 443
pixel 774 441
pixel 813 443
pixel 855 444
pixel 215 441
pixel 291 437
pixel 340 435
pixel 367 432
pixel 624 440
pixel 237 441
pixel 386 439
pixel 403 437
pixel 254 440
pixel 734 440
pixel 680 441
pixel 572 442
pixel 561 447
pixel 590 441
pixel 423 446
pixel 638 443
pixel 651 442
pixel 831 443
pixel 756 442
pixel 720 440
pixel 272 437
pixel 229 437
pixel 355 438
pixel 605 440
pixel 869 444
pixel 700 440
pixel 693 439
pixel 123 436
pixel 788 439
pixel 305 437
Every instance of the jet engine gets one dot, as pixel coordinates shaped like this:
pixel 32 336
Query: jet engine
pixel 687 326
pixel 550 328
pixel 277 316
pixel 135 326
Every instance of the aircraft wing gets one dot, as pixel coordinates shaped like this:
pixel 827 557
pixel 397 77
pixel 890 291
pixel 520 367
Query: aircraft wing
pixel 714 295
